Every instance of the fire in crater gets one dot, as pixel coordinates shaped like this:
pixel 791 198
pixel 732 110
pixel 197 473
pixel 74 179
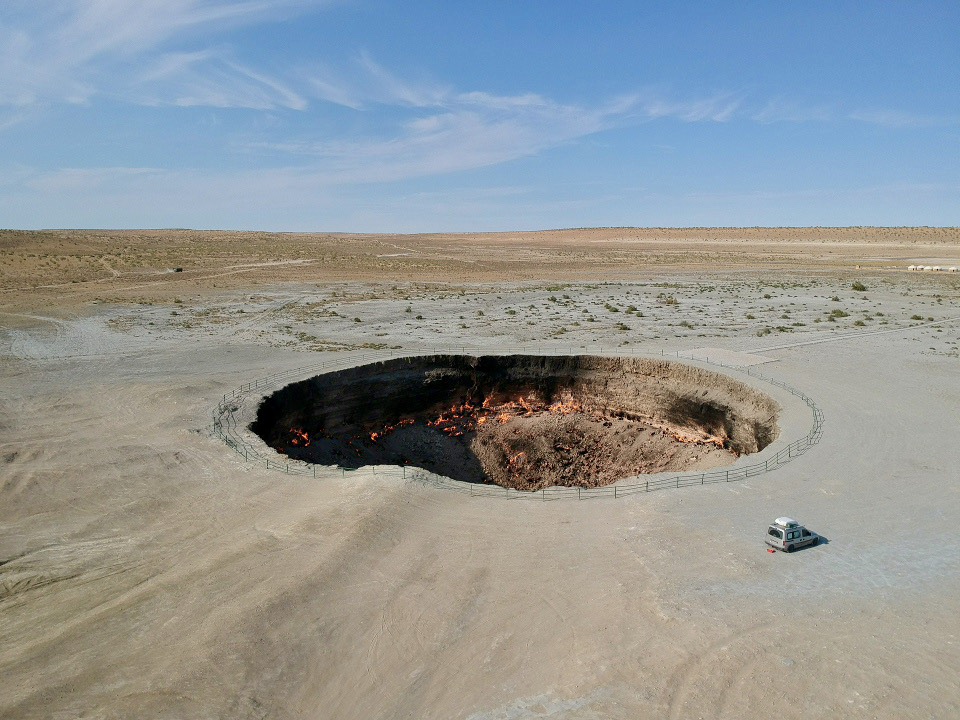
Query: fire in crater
pixel 522 421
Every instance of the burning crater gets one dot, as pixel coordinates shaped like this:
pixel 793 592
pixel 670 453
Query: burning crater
pixel 520 421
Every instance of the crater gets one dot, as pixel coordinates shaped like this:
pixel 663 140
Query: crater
pixel 521 421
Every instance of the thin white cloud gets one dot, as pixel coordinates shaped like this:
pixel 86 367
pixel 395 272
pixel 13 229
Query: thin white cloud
pixel 71 50
pixel 785 110
pixel 899 119
pixel 85 180
pixel 364 83
pixel 716 108
pixel 9 120
pixel 204 79
pixel 390 89
pixel 471 130
pixel 333 90
pixel 172 65
pixel 427 129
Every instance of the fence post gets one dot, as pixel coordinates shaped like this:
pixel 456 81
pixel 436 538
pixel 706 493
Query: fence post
pixel 614 490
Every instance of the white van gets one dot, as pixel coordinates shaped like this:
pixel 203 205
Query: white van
pixel 787 534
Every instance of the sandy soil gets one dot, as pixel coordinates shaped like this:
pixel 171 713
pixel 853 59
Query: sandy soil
pixel 147 571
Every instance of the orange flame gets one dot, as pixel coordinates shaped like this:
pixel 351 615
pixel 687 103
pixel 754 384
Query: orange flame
pixel 299 437
pixel 463 418
pixel 517 460
pixel 387 429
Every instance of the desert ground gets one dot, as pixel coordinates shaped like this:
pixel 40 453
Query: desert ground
pixel 148 570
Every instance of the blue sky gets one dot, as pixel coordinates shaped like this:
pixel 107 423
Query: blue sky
pixel 416 116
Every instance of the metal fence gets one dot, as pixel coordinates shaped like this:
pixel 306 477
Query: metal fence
pixel 225 426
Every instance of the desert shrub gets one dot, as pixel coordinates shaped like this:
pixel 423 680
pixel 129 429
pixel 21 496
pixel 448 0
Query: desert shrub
pixel 859 286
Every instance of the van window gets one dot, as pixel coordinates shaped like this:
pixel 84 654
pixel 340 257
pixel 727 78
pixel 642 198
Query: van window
pixel 776 533
pixel 792 534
